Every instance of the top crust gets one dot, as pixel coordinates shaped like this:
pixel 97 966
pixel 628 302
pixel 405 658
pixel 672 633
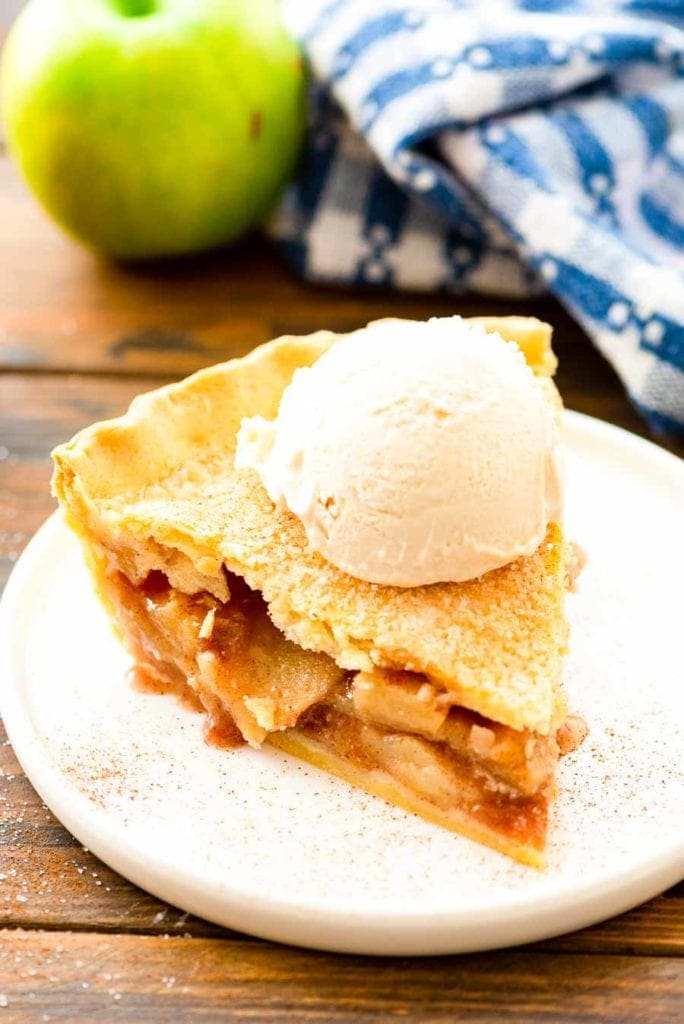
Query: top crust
pixel 157 488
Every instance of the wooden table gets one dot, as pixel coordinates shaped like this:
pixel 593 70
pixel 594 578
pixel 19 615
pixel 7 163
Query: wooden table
pixel 79 338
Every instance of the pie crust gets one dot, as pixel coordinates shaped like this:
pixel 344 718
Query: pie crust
pixel 444 700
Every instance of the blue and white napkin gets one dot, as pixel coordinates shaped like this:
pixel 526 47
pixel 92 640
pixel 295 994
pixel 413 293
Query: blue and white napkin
pixel 506 147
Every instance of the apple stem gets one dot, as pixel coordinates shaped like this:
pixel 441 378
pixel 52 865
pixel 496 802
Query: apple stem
pixel 135 8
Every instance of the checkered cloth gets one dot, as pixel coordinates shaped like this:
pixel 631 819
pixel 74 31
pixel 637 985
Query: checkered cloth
pixel 505 146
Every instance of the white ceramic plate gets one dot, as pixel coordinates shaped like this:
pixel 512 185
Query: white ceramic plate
pixel 259 842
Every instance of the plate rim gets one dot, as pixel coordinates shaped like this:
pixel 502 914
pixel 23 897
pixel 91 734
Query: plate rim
pixel 398 932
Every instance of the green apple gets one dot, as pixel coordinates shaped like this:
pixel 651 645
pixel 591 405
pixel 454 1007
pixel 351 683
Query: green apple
pixel 153 127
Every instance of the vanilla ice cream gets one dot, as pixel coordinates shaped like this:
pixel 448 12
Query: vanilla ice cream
pixel 413 453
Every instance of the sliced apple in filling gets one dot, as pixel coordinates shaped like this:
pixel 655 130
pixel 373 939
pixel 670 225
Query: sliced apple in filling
pixel 394 734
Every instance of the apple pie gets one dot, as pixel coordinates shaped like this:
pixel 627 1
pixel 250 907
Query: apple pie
pixel 444 699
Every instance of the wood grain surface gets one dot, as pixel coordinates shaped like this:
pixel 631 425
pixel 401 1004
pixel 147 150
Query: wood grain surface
pixel 79 338
pixel 134 979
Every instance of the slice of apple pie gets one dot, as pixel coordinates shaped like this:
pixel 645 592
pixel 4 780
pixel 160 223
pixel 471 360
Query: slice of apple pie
pixel 443 698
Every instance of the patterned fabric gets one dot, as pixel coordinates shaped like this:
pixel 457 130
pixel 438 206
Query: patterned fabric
pixel 505 147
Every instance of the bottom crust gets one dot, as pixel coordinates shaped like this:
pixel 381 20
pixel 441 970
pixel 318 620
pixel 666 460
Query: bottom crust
pixel 381 784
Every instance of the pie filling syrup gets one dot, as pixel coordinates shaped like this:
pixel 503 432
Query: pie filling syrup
pixel 229 660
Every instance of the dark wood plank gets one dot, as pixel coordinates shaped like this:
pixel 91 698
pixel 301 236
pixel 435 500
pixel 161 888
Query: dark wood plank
pixel 86 977
pixel 37 413
pixel 61 307
pixel 64 309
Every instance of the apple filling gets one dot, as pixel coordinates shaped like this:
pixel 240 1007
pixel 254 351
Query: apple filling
pixel 392 733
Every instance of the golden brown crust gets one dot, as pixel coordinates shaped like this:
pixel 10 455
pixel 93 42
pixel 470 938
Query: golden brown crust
pixel 158 488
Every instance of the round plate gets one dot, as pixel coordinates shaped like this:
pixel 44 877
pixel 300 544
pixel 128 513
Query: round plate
pixel 260 842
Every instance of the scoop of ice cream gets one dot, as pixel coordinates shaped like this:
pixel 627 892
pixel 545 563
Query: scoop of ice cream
pixel 413 453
